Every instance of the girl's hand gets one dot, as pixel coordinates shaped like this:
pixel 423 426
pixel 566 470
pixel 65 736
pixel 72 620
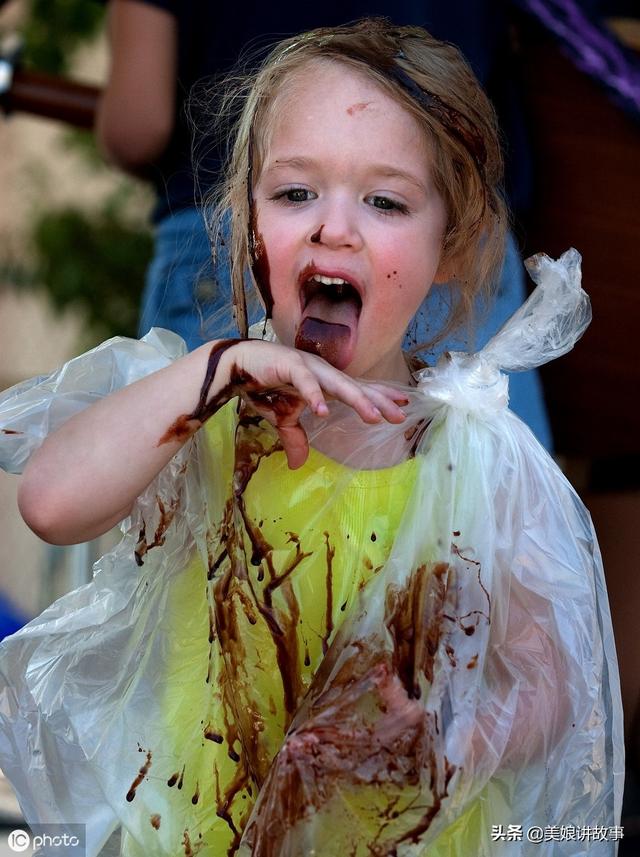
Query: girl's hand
pixel 85 476
pixel 280 382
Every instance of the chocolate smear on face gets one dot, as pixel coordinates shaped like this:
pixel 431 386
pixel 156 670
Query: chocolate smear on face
pixel 317 236
pixel 260 264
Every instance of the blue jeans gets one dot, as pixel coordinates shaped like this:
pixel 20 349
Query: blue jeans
pixel 184 293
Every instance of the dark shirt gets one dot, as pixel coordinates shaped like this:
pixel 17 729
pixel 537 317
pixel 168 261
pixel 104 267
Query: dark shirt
pixel 211 37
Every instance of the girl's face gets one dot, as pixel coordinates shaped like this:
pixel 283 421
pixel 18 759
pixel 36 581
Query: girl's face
pixel 348 222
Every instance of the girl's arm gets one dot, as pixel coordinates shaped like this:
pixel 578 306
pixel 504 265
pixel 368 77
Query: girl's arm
pixel 136 114
pixel 84 478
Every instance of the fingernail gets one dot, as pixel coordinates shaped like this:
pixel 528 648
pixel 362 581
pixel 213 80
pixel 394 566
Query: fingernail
pixel 321 409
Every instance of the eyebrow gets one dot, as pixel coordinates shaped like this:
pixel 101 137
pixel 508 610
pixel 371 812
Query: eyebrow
pixel 384 170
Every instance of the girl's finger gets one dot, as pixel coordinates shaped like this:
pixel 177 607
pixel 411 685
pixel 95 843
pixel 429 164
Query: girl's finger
pixel 309 388
pixel 398 396
pixel 342 388
pixel 371 406
pixel 388 407
pixel 295 444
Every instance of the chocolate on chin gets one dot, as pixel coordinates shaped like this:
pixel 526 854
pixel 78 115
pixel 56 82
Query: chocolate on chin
pixel 329 340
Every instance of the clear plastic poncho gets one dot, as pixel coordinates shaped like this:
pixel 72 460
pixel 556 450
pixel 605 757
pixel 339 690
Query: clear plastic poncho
pixel 445 668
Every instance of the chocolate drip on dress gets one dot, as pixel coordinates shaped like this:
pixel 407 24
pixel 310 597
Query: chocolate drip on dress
pixel 331 552
pixel 166 517
pixel 142 773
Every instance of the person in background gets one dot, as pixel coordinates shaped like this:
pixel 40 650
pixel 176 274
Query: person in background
pixel 161 48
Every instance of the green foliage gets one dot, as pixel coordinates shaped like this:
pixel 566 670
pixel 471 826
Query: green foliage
pixel 54 29
pixel 94 263
pixel 84 143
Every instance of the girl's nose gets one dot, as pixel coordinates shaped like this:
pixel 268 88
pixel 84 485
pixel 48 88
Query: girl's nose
pixel 337 228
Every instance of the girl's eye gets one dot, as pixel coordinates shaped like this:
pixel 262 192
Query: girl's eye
pixel 295 195
pixel 387 205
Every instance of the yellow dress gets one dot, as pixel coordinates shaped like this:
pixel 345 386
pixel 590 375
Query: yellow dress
pixel 240 660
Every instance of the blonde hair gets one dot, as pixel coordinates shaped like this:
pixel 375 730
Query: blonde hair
pixel 431 80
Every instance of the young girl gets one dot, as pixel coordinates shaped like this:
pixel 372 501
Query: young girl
pixel 323 634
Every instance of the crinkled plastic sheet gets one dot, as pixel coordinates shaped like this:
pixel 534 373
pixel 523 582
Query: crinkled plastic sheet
pixel 473 682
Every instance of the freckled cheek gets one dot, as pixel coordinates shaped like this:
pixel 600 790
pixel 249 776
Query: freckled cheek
pixel 282 267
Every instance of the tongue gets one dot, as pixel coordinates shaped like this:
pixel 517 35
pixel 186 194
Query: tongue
pixel 328 340
pixel 328 330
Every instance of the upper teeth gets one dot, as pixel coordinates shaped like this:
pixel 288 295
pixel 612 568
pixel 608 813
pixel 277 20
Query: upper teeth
pixel 329 281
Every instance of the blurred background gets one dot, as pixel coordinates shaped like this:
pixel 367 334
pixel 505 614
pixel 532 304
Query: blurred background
pixel 75 242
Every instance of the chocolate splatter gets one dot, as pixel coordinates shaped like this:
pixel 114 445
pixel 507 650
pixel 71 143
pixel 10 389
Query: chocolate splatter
pixel 366 728
pixel 186 844
pixel 187 424
pixel 210 735
pixel 330 554
pixel 166 517
pixel 457 552
pixel 142 773
pixel 414 620
pixel 223 804
pixel 315 238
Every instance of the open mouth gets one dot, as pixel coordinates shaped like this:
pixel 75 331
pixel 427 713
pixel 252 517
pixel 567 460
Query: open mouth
pixel 330 311
pixel 329 293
